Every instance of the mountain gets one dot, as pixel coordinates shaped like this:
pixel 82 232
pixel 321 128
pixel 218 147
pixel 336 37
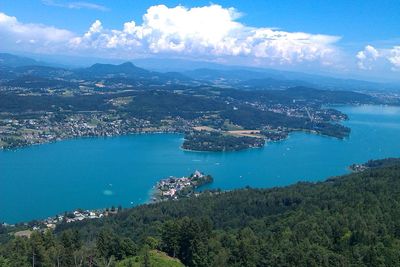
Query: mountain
pixel 126 69
pixel 13 61
pixel 253 78
pixel 167 72
pixel 129 73
pixel 44 76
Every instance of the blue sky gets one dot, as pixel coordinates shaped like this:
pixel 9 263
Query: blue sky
pixel 346 36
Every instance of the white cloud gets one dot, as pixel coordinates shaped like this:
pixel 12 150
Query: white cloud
pixel 370 57
pixel 394 57
pixel 367 57
pixel 75 5
pixel 210 32
pixel 35 37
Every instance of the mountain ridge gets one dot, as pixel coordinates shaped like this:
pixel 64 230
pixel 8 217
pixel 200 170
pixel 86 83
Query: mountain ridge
pixel 211 74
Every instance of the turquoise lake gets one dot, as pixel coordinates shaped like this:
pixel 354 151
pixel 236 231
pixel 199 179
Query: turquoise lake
pixel 89 173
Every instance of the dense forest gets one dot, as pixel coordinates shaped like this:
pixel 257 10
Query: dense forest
pixel 352 220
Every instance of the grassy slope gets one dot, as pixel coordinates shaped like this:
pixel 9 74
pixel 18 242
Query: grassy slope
pixel 156 259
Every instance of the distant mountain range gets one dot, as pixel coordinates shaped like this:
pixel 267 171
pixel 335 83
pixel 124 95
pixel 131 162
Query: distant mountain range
pixel 26 72
pixel 13 61
pixel 17 70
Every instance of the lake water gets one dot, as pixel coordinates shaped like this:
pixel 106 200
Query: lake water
pixel 44 180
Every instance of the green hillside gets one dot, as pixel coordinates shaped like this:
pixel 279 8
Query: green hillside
pixel 153 258
pixel 352 220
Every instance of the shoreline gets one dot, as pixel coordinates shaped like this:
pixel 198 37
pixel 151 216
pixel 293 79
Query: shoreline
pixel 86 137
pixel 182 131
pixel 209 151
pixel 12 149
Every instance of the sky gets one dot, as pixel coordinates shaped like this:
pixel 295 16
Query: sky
pixel 358 38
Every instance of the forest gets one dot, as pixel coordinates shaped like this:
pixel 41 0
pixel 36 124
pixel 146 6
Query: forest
pixel 351 220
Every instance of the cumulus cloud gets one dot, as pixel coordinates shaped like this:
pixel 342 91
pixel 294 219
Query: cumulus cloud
pixel 367 57
pixel 15 34
pixel 210 31
pixel 394 57
pixel 370 57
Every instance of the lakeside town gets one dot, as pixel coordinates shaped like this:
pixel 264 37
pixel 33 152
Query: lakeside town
pixel 50 127
pixel 50 223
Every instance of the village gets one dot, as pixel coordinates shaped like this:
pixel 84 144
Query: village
pixel 175 188
pixel 50 223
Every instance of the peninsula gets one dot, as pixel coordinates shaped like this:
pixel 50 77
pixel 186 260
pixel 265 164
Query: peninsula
pixel 176 188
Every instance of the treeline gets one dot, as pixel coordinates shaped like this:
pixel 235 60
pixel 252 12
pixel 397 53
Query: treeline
pixel 215 141
pixel 382 163
pixel 353 220
pixel 37 83
pixel 67 249
pixel 252 118
pixel 10 102
pixel 159 104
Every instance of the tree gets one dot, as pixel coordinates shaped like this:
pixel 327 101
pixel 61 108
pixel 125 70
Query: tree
pixel 247 248
pixel 20 253
pixel 110 245
pixel 39 254
pixel 170 238
pixel 69 243
pixel 4 262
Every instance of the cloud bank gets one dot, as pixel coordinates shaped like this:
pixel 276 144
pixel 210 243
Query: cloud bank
pixel 208 32
pixel 372 57
pixel 31 37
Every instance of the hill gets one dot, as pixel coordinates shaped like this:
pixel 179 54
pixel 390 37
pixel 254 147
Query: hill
pixel 252 78
pixel 126 69
pixel 352 220
pixel 10 60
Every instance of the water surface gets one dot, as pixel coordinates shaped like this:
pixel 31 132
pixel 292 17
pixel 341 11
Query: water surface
pixel 44 180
